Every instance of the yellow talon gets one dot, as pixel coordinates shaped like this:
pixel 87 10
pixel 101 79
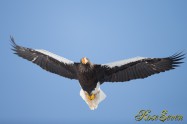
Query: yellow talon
pixel 92 97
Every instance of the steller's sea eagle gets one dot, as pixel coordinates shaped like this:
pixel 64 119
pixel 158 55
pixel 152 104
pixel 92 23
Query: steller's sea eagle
pixel 91 76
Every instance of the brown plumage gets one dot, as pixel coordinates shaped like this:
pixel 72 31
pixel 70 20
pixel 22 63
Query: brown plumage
pixel 90 76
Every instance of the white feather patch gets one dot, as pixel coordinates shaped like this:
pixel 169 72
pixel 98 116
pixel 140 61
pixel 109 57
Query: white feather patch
pixel 34 58
pixel 123 62
pixel 59 58
pixel 99 97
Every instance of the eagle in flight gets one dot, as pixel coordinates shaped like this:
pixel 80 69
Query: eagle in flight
pixel 91 76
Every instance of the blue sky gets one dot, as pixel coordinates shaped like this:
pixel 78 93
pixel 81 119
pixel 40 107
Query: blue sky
pixel 104 31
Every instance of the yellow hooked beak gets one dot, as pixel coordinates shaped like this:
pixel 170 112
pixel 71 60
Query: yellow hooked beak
pixel 84 60
pixel 92 97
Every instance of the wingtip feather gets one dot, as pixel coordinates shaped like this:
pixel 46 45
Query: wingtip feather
pixel 176 58
pixel 13 43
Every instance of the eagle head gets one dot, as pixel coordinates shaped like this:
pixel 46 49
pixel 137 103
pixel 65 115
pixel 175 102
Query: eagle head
pixel 85 60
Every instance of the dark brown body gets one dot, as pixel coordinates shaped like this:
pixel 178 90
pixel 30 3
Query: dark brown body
pixel 88 77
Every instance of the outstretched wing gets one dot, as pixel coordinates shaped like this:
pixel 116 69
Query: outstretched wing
pixel 46 60
pixel 138 67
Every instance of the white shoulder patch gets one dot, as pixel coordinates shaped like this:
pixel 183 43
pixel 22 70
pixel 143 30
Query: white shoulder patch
pixel 59 58
pixel 123 62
